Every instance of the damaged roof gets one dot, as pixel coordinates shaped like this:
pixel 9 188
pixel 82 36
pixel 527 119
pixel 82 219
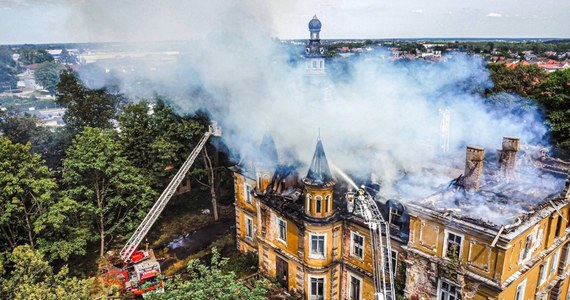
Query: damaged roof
pixel 319 173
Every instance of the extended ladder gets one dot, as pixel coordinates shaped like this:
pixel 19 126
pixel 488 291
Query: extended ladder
pixel 383 275
pixel 137 237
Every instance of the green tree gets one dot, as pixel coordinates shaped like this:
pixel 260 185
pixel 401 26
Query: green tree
pixel 30 56
pixel 85 107
pixel 31 210
pixel 211 282
pixel 153 140
pixel 521 79
pixel 49 143
pixel 113 195
pixel 554 94
pixel 47 74
pixel 31 277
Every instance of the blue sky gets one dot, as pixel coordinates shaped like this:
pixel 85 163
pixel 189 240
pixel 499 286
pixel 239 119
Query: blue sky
pixel 36 21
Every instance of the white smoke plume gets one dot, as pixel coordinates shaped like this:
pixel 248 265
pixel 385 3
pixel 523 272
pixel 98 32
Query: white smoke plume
pixel 374 116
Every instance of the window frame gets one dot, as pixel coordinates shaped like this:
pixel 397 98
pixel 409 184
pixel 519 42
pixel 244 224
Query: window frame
pixel 527 252
pixel 522 287
pixel 249 232
pixel 554 264
pixel 353 244
pixel 327 203
pixel 350 286
pixel 309 202
pixel 446 243
pixel 440 289
pixel 394 261
pixel 314 255
pixel 544 274
pixel 310 287
pixel 284 239
pixel 318 204
pixel 247 193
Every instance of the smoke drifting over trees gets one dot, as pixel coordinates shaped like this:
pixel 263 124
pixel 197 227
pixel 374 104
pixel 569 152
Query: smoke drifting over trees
pixel 379 117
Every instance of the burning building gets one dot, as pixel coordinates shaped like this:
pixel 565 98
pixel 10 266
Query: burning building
pixel 498 229
pixel 448 245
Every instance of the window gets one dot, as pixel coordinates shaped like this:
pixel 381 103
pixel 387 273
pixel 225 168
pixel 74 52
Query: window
pixel 448 291
pixel 356 244
pixel 318 204
pixel 282 224
pixel 322 64
pixel 309 202
pixel 327 202
pixel 558 227
pixel 453 245
pixel 355 288
pixel 247 191
pixel 526 253
pixel 542 272
pixel 317 291
pixel 519 295
pixel 567 255
pixel 314 64
pixel 317 246
pixel 249 228
pixel 554 264
pixel 394 262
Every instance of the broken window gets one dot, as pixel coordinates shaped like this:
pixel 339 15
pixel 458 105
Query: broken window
pixel 449 291
pixel 317 246
pixel 355 288
pixel 282 230
pixel 318 204
pixel 356 244
pixel 453 245
pixel 247 190
pixel 317 288
pixel 249 228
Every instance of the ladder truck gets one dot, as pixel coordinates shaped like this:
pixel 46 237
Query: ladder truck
pixel 362 204
pixel 141 266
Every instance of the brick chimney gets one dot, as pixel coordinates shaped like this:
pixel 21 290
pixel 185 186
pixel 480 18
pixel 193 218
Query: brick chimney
pixel 473 168
pixel 508 156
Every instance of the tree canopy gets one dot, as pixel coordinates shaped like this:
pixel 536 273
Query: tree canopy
pixel 32 211
pixel 112 194
pixel 210 282
pixel 47 74
pixel 85 107
pixel 31 277
pixel 554 94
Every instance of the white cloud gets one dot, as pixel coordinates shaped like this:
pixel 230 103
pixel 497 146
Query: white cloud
pixel 418 11
pixel 494 15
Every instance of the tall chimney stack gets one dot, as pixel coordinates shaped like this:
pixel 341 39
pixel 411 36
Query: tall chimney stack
pixel 473 168
pixel 508 156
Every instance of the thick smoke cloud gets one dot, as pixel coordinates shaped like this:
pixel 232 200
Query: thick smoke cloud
pixel 374 116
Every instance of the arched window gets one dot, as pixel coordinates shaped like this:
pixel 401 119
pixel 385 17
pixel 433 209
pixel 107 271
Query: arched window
pixel 318 204
pixel 327 203
pixel 309 202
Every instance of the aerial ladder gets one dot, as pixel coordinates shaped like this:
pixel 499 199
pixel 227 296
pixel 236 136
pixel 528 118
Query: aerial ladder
pixel 141 266
pixel 363 205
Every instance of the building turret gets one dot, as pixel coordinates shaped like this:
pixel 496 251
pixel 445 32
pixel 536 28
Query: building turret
pixel 319 184
pixel 266 162
pixel 315 52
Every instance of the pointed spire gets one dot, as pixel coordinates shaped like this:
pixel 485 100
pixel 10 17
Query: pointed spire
pixel 319 172
pixel 267 151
